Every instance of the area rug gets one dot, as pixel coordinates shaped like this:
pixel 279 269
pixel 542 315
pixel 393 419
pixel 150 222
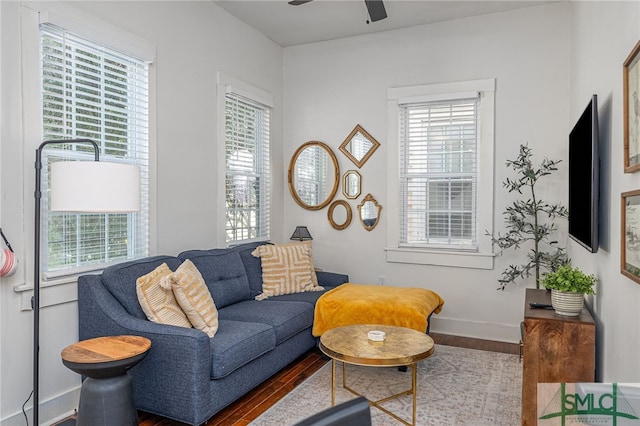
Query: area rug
pixel 456 386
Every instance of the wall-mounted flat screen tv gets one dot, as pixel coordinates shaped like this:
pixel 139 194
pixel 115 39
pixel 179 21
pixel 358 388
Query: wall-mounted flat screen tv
pixel 584 178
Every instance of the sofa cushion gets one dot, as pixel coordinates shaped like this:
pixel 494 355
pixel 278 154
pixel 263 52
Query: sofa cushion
pixel 157 299
pixel 286 268
pixel 310 297
pixel 286 318
pixel 237 343
pixel 194 298
pixel 120 280
pixel 223 272
pixel 331 279
pixel 252 266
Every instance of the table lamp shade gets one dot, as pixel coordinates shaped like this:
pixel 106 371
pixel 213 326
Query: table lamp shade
pixel 94 186
pixel 301 233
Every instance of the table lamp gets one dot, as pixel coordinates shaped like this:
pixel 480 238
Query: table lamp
pixel 301 233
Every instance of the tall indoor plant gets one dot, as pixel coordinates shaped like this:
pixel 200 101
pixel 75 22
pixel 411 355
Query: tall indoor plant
pixel 530 221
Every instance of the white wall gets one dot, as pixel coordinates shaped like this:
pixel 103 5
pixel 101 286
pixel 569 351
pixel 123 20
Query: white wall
pixel 603 34
pixel 1 138
pixel 332 86
pixel 194 40
pixel 200 40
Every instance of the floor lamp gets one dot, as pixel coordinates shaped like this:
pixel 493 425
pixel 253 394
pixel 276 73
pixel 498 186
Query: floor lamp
pixel 77 186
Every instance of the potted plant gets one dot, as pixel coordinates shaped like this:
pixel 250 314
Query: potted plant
pixel 568 286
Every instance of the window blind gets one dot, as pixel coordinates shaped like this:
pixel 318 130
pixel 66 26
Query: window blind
pixel 247 182
pixel 92 91
pixel 438 173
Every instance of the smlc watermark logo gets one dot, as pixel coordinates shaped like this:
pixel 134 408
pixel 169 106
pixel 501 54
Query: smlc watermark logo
pixel 588 404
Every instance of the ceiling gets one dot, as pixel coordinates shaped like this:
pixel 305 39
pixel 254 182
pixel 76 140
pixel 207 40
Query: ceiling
pixel 322 20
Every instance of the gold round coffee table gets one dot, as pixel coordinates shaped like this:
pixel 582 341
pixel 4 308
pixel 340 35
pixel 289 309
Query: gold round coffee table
pixel 402 347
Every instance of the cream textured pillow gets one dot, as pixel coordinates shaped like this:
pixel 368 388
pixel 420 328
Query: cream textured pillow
pixel 286 269
pixel 314 277
pixel 157 300
pixel 194 298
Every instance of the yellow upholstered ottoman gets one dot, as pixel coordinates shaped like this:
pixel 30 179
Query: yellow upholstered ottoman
pixel 373 304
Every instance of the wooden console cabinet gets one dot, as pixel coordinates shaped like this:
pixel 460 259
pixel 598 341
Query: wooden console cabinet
pixel 557 349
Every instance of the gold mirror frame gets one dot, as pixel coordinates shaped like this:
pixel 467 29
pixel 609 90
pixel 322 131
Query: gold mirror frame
pixel 336 175
pixel 346 186
pixel 369 199
pixel 332 208
pixel 347 148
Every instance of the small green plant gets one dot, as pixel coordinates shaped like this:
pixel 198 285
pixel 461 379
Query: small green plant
pixel 568 279
pixel 530 221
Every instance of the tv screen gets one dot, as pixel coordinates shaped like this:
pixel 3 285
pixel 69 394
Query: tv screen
pixel 584 178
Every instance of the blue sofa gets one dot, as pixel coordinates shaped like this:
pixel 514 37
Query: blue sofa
pixel 186 375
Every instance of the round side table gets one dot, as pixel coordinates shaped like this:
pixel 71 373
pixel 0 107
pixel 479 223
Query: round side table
pixel 106 396
pixel 401 347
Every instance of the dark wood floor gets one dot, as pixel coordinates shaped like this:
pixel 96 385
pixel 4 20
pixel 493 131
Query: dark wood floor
pixel 248 408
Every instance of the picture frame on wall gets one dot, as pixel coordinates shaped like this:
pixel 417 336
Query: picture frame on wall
pixel 630 235
pixel 631 108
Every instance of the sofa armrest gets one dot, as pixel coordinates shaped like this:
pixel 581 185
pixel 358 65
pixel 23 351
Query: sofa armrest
pixel 331 279
pixel 178 365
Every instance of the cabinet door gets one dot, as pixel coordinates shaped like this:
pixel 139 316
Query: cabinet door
pixel 555 351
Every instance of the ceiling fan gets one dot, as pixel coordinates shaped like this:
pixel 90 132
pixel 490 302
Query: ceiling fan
pixel 375 8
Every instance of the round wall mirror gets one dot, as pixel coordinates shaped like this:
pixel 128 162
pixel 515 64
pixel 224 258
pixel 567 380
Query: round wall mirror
pixel 314 175
pixel 351 184
pixel 369 212
pixel 340 214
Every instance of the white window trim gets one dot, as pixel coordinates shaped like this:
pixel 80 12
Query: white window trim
pixel 32 14
pixel 228 84
pixel 483 258
pixel 94 29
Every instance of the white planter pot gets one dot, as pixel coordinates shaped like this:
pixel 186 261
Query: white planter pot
pixel 568 304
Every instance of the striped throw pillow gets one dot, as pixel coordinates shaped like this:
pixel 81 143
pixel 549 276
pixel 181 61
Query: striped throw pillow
pixel 286 269
pixel 157 300
pixel 194 298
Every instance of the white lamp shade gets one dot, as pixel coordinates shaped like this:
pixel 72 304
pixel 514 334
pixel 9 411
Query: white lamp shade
pixel 94 186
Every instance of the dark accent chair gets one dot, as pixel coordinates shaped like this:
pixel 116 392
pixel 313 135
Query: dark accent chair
pixel 355 412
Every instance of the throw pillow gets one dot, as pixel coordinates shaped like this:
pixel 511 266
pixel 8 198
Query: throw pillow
pixel 194 298
pixel 314 277
pixel 157 300
pixel 286 269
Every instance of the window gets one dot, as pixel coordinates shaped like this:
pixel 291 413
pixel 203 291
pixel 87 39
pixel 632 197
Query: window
pixel 443 183
pixel 438 173
pixel 247 178
pixel 92 91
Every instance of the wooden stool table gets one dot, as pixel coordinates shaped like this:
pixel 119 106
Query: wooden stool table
pixel 106 396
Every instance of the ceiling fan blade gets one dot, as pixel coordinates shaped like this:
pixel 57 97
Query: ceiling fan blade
pixel 376 10
pixel 298 2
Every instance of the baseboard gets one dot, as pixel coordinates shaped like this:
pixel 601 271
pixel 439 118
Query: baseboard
pixel 477 329
pixel 51 411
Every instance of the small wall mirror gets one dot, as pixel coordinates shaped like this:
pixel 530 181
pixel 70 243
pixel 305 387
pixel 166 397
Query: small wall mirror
pixel 359 146
pixel 340 214
pixel 314 175
pixel 351 182
pixel 369 211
